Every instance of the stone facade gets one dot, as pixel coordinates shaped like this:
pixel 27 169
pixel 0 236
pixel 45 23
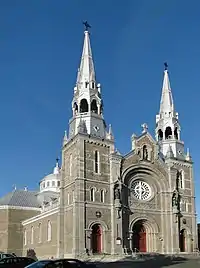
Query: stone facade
pixel 100 201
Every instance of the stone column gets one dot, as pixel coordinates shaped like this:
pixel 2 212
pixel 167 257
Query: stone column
pixel 116 222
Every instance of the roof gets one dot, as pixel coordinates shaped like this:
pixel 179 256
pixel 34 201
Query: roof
pixel 20 198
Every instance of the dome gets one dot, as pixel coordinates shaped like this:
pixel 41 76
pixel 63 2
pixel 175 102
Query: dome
pixel 51 182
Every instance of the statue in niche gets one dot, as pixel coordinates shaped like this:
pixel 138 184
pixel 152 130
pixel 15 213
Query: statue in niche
pixel 145 152
pixel 116 192
pixel 175 199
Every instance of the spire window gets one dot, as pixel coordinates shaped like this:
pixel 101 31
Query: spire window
pixel 176 133
pixel 94 108
pixel 96 162
pixel 75 107
pixel 168 133
pixel 84 106
pixel 160 135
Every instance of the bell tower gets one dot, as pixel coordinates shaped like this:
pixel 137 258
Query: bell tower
pixel 167 122
pixel 87 104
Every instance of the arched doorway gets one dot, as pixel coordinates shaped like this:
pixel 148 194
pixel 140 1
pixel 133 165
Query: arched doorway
pixel 182 240
pixel 96 239
pixel 139 237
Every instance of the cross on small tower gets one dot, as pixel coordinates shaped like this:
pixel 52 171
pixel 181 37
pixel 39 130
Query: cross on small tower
pixel 144 128
pixel 57 160
pixel 166 65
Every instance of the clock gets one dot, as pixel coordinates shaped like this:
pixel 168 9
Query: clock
pixel 96 128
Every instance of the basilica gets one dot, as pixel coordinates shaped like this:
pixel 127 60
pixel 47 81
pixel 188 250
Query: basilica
pixel 99 201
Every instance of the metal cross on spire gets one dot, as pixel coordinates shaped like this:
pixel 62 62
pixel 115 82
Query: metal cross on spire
pixel 166 65
pixel 87 25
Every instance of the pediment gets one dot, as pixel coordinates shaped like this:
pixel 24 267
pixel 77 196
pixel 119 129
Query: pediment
pixel 146 138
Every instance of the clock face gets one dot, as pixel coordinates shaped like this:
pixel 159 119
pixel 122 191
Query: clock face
pixel 140 190
pixel 96 128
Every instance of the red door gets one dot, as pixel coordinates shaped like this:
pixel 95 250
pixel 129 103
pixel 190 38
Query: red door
pixel 142 242
pixel 99 240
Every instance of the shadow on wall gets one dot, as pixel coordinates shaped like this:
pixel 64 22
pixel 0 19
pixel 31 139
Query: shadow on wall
pixel 158 261
pixel 31 254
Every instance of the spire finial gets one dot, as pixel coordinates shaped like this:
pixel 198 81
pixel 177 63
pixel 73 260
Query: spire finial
pixel 56 168
pixel 87 25
pixel 166 66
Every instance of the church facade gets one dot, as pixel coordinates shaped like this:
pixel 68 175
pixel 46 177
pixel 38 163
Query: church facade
pixel 100 201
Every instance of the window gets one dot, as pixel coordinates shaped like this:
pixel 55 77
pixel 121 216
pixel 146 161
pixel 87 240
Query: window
pixel 181 179
pixel 25 237
pixel 49 231
pixel 48 184
pixel 102 196
pixel 53 183
pixel 96 162
pixel 92 195
pixel 32 234
pixel 58 183
pixel 70 164
pixel 40 233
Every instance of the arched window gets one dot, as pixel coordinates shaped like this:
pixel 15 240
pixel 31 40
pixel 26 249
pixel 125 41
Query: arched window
pixel 58 183
pixel 92 194
pixel 25 237
pixel 32 234
pixel 94 108
pixel 160 135
pixel 75 107
pixel 70 165
pixel 176 133
pixel 84 106
pixel 168 133
pixel 49 231
pixel 96 162
pixel 39 233
pixel 102 196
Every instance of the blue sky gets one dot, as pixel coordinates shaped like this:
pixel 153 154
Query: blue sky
pixel 40 47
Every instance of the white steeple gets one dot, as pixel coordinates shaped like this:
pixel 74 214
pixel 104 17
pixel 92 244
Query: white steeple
pixel 166 103
pixel 87 104
pixel 86 72
pixel 167 124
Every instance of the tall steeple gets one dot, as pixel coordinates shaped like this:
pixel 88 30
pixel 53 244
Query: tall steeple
pixel 87 104
pixel 166 103
pixel 86 72
pixel 167 124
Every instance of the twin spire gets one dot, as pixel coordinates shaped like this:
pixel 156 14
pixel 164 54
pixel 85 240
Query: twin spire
pixel 86 72
pixel 166 103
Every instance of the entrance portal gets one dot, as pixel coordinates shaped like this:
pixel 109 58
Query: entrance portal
pixel 139 237
pixel 96 239
pixel 182 240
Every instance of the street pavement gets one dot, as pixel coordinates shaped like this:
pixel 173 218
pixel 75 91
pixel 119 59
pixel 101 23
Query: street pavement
pixel 157 262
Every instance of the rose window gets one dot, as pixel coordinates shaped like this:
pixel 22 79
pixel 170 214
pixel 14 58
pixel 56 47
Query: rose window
pixel 141 190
